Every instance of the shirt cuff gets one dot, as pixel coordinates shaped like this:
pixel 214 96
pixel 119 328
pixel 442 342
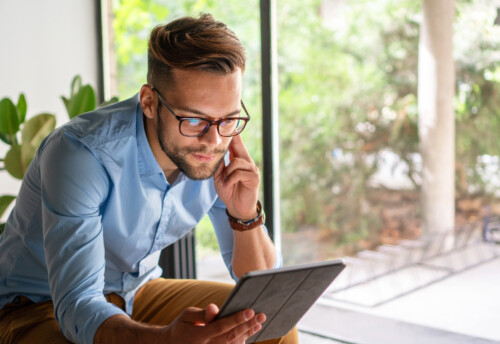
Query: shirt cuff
pixel 87 320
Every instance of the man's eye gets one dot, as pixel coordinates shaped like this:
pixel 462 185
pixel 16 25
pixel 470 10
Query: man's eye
pixel 228 121
pixel 194 122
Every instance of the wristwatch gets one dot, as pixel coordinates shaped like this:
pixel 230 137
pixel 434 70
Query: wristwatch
pixel 240 225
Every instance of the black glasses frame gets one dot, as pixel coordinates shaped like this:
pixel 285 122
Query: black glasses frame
pixel 209 122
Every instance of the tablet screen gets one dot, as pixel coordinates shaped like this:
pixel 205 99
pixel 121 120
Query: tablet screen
pixel 283 295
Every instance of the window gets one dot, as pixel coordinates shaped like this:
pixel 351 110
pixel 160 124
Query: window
pixel 130 23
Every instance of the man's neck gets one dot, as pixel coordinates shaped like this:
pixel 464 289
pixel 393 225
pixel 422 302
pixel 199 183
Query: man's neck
pixel 171 175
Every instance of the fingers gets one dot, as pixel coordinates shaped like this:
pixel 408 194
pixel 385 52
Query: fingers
pixel 237 327
pixel 218 172
pixel 200 316
pixel 242 332
pixel 237 148
pixel 248 180
pixel 210 313
pixel 193 315
pixel 239 165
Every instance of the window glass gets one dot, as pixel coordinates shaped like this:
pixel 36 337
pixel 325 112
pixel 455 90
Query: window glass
pixel 133 21
pixel 349 161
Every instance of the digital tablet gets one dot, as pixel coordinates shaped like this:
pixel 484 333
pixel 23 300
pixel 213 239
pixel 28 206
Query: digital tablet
pixel 284 295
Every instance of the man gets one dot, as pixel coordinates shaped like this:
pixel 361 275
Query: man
pixel 107 191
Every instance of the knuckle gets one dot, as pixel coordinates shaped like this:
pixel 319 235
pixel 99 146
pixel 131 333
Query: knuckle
pixel 219 327
pixel 231 335
pixel 241 317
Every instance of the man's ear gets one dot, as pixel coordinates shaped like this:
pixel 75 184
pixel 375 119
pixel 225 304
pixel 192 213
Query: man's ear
pixel 148 101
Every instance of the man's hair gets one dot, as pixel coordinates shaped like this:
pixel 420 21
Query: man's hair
pixel 192 43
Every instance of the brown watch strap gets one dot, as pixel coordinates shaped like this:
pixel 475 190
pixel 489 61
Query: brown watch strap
pixel 240 225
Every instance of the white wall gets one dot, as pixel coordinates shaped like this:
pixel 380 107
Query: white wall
pixel 43 44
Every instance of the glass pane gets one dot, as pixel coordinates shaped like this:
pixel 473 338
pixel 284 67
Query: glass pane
pixel 350 163
pixel 348 119
pixel 132 23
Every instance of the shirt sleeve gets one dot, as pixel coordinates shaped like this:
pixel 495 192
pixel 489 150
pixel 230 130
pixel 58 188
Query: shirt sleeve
pixel 74 187
pixel 224 234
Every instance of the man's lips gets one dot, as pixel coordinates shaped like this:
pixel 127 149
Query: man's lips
pixel 204 157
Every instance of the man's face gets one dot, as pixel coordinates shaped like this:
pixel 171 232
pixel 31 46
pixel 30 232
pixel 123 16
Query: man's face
pixel 204 95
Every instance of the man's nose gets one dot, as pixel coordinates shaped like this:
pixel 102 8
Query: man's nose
pixel 211 137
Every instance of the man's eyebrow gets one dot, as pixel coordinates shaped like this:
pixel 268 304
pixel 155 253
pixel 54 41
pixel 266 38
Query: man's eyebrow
pixel 201 113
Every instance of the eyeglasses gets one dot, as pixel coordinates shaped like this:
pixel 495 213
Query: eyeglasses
pixel 196 126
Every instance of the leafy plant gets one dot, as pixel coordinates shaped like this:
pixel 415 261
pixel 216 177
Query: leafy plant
pixel 82 98
pixel 24 137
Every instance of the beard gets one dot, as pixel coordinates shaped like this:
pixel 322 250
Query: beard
pixel 178 155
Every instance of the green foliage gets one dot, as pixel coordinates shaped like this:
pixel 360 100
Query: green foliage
pixel 9 121
pixel 347 94
pixel 206 241
pixel 5 201
pixel 25 137
pixel 31 134
pixel 82 98
pixel 477 102
pixel 132 24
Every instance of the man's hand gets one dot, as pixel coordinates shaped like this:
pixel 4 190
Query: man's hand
pixel 238 183
pixel 193 325
pixel 196 325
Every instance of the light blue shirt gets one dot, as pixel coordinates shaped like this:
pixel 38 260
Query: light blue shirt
pixel 92 215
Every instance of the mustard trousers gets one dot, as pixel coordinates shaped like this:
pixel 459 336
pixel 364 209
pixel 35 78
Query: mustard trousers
pixel 158 302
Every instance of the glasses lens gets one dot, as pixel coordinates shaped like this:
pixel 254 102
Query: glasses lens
pixel 231 126
pixel 193 126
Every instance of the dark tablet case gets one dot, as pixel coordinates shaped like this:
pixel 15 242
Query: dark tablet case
pixel 283 295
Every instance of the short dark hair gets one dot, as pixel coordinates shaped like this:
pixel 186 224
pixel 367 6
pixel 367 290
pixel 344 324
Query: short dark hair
pixel 192 43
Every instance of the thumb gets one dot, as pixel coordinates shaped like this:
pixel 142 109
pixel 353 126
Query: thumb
pixel 210 312
pixel 193 315
pixel 219 171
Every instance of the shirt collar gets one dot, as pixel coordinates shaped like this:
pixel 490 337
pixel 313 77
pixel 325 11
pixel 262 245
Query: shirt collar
pixel 147 162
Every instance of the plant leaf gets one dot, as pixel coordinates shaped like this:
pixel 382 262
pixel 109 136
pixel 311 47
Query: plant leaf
pixel 22 108
pixel 76 84
pixel 5 201
pixel 66 102
pixel 18 159
pixel 28 152
pixel 108 102
pixel 37 128
pixel 83 101
pixel 5 138
pixel 13 163
pixel 9 120
pixel 2 227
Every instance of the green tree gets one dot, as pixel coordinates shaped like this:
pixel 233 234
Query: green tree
pixel 347 95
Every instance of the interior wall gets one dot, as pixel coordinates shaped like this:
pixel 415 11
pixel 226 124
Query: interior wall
pixel 43 45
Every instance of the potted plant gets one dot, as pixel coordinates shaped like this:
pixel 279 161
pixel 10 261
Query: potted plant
pixel 25 136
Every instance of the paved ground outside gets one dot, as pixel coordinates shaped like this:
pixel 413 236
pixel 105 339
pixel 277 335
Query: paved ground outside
pixel 461 308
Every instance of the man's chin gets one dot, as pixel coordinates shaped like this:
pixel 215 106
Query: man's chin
pixel 199 173
pixel 202 171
